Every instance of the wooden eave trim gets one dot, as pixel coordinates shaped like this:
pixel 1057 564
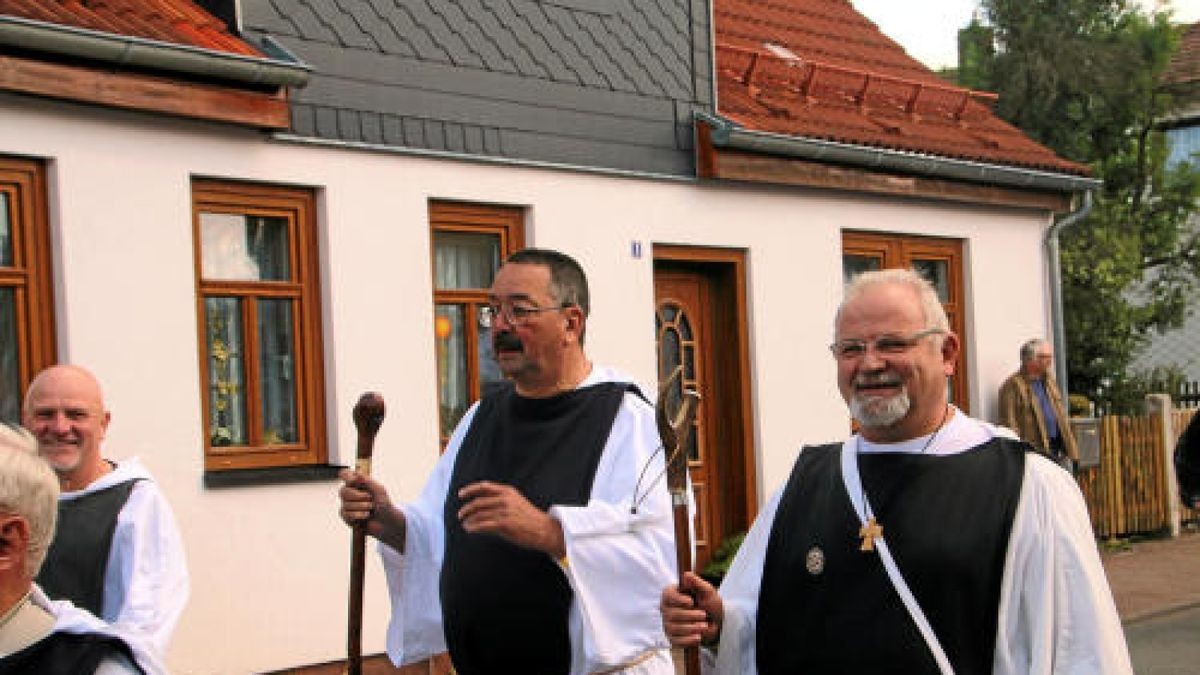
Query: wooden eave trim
pixel 737 165
pixel 146 93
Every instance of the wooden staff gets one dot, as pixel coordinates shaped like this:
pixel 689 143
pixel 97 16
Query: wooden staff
pixel 368 416
pixel 674 435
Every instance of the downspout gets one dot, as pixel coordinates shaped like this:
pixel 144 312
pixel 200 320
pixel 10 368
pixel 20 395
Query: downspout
pixel 1056 307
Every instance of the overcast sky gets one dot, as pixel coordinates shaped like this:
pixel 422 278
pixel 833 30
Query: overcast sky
pixel 928 29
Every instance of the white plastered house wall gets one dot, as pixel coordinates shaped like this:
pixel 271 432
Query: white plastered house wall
pixel 269 563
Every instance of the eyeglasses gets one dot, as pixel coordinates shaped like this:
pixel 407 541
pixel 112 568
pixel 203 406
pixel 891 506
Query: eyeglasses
pixel 849 350
pixel 516 315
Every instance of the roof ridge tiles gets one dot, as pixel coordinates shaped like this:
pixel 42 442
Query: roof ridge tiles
pixel 813 69
pixel 851 83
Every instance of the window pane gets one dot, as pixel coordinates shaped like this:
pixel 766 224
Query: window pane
pixel 937 272
pixel 10 376
pixel 235 247
pixel 853 265
pixel 276 371
pixel 226 378
pixel 453 389
pixel 1185 143
pixel 465 259
pixel 6 256
pixel 489 370
pixel 670 358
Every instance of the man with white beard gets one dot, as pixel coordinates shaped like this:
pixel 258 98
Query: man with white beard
pixel 930 542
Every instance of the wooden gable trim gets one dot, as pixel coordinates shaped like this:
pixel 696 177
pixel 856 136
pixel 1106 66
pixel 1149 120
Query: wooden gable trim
pixel 146 93
pixel 727 164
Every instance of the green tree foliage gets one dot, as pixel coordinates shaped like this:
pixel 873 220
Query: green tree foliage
pixel 976 55
pixel 1084 78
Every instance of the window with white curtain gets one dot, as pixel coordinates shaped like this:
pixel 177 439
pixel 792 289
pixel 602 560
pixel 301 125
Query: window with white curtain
pixel 259 325
pixel 469 244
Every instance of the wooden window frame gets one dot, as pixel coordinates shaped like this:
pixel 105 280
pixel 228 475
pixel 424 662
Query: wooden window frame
pixel 298 207
pixel 898 250
pixel 24 182
pixel 507 222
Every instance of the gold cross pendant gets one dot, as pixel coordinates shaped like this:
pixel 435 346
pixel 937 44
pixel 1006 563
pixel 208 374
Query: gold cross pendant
pixel 869 533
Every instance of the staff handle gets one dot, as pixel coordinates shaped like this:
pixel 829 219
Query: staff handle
pixel 674 434
pixel 368 416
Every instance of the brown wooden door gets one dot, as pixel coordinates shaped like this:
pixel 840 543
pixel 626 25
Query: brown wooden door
pixel 699 321
pixel 682 325
pixel 938 260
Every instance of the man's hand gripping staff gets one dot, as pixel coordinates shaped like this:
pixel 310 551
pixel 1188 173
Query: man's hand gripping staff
pixel 674 434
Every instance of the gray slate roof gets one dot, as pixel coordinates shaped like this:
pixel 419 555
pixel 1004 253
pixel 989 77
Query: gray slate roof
pixel 601 83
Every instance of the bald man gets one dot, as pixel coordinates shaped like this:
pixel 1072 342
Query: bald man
pixel 38 635
pixel 117 552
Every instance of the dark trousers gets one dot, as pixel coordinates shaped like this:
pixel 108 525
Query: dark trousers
pixel 1059 454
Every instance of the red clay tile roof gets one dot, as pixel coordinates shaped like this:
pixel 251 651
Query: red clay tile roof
pixel 852 84
pixel 177 22
pixel 1185 64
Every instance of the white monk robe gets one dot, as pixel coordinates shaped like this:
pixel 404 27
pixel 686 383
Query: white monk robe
pixel 41 617
pixel 1056 610
pixel 618 562
pixel 146 581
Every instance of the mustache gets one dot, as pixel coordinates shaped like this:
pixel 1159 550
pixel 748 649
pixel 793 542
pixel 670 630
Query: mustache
pixel 879 379
pixel 506 341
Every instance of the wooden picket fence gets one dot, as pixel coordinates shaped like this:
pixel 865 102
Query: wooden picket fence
pixel 1127 493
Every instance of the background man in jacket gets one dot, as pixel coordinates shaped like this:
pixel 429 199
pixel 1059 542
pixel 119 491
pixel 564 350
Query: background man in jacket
pixel 1032 405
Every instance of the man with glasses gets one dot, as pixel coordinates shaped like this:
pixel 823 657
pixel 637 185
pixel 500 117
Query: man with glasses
pixel 542 539
pixel 1032 405
pixel 930 542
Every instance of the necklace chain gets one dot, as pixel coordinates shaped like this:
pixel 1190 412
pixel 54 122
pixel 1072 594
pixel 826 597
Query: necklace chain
pixel 942 423
pixel 928 443
pixel 15 609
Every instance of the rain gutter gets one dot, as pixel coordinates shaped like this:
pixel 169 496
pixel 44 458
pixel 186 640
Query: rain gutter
pixel 1056 309
pixel 726 133
pixel 281 69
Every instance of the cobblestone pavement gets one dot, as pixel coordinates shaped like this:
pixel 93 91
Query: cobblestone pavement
pixel 1154 576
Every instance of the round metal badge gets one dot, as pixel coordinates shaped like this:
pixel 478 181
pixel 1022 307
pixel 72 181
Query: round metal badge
pixel 814 561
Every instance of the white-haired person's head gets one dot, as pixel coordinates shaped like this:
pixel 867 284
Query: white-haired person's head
pixel 28 490
pixel 931 304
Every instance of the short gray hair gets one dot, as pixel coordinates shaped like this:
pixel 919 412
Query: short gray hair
pixel 1029 349
pixel 29 489
pixel 931 304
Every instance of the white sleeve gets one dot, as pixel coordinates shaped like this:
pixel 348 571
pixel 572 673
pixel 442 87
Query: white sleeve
pixel 415 630
pixel 146 582
pixel 618 561
pixel 116 665
pixel 71 619
pixel 1057 614
pixel 739 595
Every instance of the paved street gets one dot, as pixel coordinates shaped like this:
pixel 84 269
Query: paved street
pixel 1166 644
pixel 1156 585
pixel 1155 576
